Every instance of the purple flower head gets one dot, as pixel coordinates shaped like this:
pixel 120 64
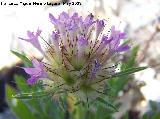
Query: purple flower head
pixel 80 56
pixel 36 72
pixel 33 39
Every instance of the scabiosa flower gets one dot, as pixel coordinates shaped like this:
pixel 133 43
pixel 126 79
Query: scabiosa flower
pixel 80 58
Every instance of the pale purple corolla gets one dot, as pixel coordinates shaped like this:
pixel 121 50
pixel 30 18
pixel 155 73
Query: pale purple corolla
pixel 36 72
pixel 33 39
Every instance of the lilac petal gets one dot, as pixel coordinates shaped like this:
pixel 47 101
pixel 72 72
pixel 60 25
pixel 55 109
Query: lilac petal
pixel 82 41
pixel 113 29
pixel 89 18
pixel 62 30
pixel 33 39
pixel 123 48
pixel 122 36
pixel 32 80
pixel 75 21
pixel 55 39
pixel 85 25
pixel 116 37
pixel 95 68
pixel 36 72
pixel 106 40
pixel 38 33
pixel 100 25
pixel 97 63
pixel 53 19
pixel 72 24
pixel 32 71
pixel 72 35
pixel 63 16
pixel 89 21
pixel 74 16
pixel 30 34
pixel 43 74
pixel 28 40
pixel 36 44
pixel 55 35
pixel 36 63
pixel 39 67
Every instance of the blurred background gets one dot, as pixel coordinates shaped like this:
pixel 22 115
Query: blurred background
pixel 140 19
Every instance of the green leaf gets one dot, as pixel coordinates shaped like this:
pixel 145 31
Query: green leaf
pixel 119 82
pixel 33 95
pixel 18 106
pixel 26 91
pixel 78 102
pixel 156 115
pixel 126 42
pixel 101 113
pixel 126 116
pixel 79 112
pixel 107 103
pixel 22 84
pixel 23 58
pixel 132 60
pixel 129 71
pixel 153 105
pixel 23 88
pixel 145 116
pixel 44 107
pixel 37 94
